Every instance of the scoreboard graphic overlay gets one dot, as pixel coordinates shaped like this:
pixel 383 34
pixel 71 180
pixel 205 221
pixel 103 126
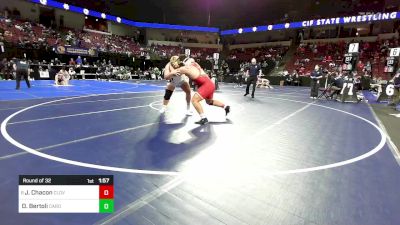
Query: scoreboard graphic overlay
pixel 66 194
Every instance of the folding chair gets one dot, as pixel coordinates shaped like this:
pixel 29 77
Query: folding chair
pixel 326 92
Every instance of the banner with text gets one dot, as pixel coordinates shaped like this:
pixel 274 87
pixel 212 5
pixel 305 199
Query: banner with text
pixel 317 22
pixel 68 50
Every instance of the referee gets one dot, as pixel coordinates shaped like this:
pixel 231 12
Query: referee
pixel 21 68
pixel 252 72
pixel 315 76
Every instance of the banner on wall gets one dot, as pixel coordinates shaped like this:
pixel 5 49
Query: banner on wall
pixel 318 22
pixel 68 50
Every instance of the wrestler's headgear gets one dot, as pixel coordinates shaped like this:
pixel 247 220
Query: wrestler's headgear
pixel 188 61
pixel 175 61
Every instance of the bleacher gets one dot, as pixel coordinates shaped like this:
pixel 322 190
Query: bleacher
pixel 324 54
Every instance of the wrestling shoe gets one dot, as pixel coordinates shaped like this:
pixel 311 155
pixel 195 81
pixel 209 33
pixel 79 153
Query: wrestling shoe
pixel 202 121
pixel 227 110
pixel 189 113
pixel 162 110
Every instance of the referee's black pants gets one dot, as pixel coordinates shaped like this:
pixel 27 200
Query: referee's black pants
pixel 314 88
pixel 22 74
pixel 251 80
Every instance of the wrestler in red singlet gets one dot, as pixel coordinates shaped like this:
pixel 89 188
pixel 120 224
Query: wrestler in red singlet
pixel 206 87
pixel 205 90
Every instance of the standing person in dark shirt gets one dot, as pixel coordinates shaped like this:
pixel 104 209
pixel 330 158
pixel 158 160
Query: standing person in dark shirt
pixel 21 67
pixel 396 95
pixel 252 72
pixel 3 69
pixel 316 74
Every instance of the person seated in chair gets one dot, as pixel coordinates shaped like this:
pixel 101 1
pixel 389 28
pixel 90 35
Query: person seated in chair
pixel 107 74
pixel 120 73
pixel 376 84
pixel 296 78
pixel 100 73
pixel 288 78
pixel 337 85
pixel 396 96
pixel 72 72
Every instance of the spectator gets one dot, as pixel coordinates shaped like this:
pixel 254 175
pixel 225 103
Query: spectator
pixel 85 62
pixel 360 66
pixel 79 61
pixel 296 78
pixel 368 67
pixel 57 61
pixel 3 69
pixel 72 72
pixel 71 62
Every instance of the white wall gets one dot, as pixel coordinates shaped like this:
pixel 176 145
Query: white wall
pixel 189 45
pixel 31 11
pixel 71 19
pixel 121 29
pixel 153 34
pixel 28 10
pixel 162 35
pixel 367 39
pixel 388 36
pixel 333 40
pixel 258 45
pixel 262 37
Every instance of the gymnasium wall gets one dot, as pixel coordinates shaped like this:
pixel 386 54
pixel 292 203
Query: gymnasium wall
pixel 189 45
pixel 258 45
pixel 71 20
pixel 28 10
pixel 121 29
pixel 165 35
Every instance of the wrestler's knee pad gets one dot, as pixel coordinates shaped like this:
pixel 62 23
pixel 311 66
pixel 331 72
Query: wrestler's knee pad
pixel 168 94
pixel 210 102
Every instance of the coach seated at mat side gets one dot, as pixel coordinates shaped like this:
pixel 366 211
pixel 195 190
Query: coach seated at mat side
pixel 396 96
pixel 376 84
